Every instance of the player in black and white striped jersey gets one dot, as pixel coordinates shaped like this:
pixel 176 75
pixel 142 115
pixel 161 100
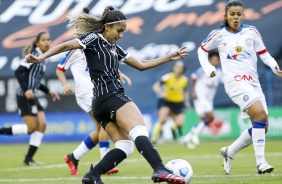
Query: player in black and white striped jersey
pixel 115 111
pixel 29 77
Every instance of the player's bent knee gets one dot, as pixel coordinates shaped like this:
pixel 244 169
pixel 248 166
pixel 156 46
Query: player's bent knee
pixel 138 131
pixel 127 146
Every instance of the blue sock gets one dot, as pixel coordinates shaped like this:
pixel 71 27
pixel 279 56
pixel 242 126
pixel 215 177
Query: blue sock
pixel 89 143
pixel 104 144
pixel 257 124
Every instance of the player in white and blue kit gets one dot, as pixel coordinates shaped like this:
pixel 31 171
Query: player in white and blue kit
pixel 75 61
pixel 203 92
pixel 238 45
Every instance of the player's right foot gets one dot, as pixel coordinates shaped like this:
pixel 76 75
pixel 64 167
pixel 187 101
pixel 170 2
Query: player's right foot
pixel 190 145
pixel 226 160
pixel 91 178
pixel 72 163
pixel 166 176
pixel 264 167
pixel 112 171
pixel 195 140
pixel 29 161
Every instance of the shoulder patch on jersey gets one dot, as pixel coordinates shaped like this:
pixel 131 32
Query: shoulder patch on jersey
pixel 89 38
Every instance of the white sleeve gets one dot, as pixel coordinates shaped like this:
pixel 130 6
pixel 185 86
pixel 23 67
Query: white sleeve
pixel 70 57
pixel 262 51
pixel 269 61
pixel 204 61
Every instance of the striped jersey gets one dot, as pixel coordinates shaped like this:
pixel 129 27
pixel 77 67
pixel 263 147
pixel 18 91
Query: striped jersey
pixel 75 61
pixel 174 88
pixel 103 62
pixel 238 55
pixel 34 75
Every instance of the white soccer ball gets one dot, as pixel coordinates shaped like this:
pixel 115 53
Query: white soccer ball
pixel 181 168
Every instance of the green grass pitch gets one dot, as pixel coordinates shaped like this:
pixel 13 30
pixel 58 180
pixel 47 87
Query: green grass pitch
pixel 205 160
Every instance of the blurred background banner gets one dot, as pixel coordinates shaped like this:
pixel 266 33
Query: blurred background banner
pixel 155 28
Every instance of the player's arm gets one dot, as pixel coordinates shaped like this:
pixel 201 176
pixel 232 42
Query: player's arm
pixel 186 98
pixel 157 88
pixel 46 90
pixel 124 78
pixel 192 84
pixel 263 52
pixel 69 45
pixel 62 78
pixel 147 64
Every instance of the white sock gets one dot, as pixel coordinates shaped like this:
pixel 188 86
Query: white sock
pixel 104 148
pixel 241 142
pixel 198 129
pixel 258 135
pixel 36 138
pixel 19 129
pixel 81 150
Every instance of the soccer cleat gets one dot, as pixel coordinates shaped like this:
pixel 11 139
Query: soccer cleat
pixel 264 167
pixel 195 140
pixel 91 178
pixel 72 163
pixel 29 161
pixel 166 176
pixel 226 160
pixel 112 171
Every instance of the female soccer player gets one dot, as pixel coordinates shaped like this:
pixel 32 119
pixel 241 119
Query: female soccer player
pixel 115 111
pixel 238 45
pixel 76 61
pixel 175 96
pixel 29 76
pixel 203 92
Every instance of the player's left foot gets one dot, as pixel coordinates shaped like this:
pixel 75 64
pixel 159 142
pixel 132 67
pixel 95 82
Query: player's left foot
pixel 226 160
pixel 112 171
pixel 264 167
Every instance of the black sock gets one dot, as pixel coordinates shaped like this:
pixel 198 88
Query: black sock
pixel 6 131
pixel 109 161
pixel 180 132
pixel 149 152
pixel 31 151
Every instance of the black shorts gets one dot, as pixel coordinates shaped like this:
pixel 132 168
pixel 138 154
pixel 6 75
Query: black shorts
pixel 160 103
pixel 28 107
pixel 176 108
pixel 105 107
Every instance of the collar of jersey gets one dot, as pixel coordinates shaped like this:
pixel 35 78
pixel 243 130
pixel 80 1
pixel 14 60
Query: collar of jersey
pixel 235 31
pixel 105 39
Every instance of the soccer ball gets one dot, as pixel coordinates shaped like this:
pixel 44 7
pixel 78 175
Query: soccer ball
pixel 181 168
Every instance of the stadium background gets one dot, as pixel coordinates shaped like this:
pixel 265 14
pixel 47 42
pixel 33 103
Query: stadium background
pixel 155 28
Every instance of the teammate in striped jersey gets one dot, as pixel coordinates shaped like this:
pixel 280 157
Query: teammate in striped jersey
pixel 112 108
pixel 29 76
pixel 75 61
pixel 238 45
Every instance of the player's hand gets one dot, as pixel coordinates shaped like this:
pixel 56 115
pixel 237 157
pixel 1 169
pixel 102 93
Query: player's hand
pixel 67 90
pixel 124 78
pixel 32 59
pixel 212 74
pixel 179 54
pixel 278 71
pixel 54 95
pixel 29 94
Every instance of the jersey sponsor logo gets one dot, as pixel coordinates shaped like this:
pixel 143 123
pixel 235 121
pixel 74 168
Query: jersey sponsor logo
pixel 238 54
pixel 246 98
pixel 89 38
pixel 243 78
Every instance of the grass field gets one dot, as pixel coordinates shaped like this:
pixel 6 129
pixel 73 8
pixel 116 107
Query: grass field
pixel 205 160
